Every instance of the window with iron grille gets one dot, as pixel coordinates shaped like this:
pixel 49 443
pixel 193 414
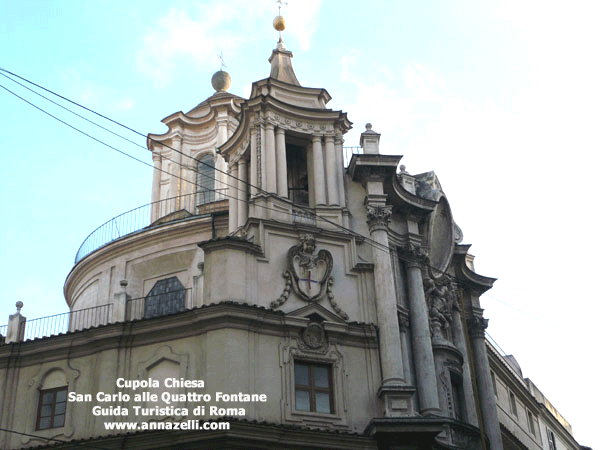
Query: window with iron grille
pixel 52 408
pixel 313 387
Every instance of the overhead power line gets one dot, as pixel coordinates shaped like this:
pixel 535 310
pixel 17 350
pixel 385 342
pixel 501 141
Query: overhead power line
pixel 366 239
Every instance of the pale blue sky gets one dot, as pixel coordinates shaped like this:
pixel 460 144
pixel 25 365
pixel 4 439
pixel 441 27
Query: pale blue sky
pixel 500 98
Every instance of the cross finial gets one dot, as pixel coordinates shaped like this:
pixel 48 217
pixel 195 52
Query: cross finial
pixel 220 56
pixel 280 4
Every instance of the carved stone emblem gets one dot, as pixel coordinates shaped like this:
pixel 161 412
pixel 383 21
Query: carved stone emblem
pixel 309 275
pixel 313 336
pixel 310 272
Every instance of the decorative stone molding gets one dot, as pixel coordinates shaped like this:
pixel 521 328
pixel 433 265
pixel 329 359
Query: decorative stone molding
pixel 441 301
pixel 477 326
pixel 331 356
pixel 378 217
pixel 71 376
pixel 314 338
pixel 309 273
pixel 334 304
pixel 413 255
pixel 302 126
pixel 286 291
pixel 404 322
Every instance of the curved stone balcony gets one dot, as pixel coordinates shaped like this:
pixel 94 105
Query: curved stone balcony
pixel 152 215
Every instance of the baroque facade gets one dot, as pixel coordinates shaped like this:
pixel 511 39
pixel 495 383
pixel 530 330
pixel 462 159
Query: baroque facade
pixel 272 265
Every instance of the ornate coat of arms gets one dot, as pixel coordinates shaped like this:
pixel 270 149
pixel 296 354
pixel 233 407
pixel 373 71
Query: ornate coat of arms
pixel 309 273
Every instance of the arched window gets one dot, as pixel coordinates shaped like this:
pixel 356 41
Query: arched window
pixel 205 180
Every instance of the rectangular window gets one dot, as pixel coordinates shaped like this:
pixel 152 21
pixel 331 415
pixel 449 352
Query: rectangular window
pixel 513 405
pixel 457 397
pixel 52 408
pixel 551 439
pixel 313 388
pixel 494 384
pixel 531 422
pixel 297 174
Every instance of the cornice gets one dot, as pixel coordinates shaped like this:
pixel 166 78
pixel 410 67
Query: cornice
pixel 400 196
pixel 190 323
pixel 478 283
pixel 295 114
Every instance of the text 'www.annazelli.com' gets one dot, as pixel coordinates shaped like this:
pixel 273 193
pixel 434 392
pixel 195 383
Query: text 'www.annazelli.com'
pixel 185 425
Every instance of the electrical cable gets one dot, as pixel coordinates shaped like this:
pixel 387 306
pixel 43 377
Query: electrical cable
pixel 369 241
pixel 300 207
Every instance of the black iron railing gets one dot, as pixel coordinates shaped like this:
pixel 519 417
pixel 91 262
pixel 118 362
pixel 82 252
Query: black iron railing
pixel 158 305
pixel 81 319
pixel 349 151
pixel 137 219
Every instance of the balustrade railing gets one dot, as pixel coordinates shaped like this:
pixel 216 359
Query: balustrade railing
pixel 137 219
pixel 81 319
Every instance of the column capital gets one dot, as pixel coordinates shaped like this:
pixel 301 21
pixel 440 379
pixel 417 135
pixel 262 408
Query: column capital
pixel 270 125
pixel 477 326
pixel 413 255
pixel 280 130
pixel 329 137
pixel 378 217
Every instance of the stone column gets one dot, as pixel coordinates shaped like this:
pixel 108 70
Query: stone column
pixel 385 298
pixel 421 339
pixel 461 344
pixel 15 331
pixel 233 200
pixel 330 166
pixel 270 159
pixel 319 175
pixel 477 325
pixel 339 164
pixel 253 161
pixel 282 182
pixel 242 208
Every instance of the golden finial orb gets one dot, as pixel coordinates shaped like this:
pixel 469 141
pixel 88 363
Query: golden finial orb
pixel 279 23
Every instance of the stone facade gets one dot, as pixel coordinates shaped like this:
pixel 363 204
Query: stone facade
pixel 267 259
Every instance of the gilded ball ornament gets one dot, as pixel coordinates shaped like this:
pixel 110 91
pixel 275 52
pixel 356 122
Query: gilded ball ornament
pixel 221 81
pixel 279 23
